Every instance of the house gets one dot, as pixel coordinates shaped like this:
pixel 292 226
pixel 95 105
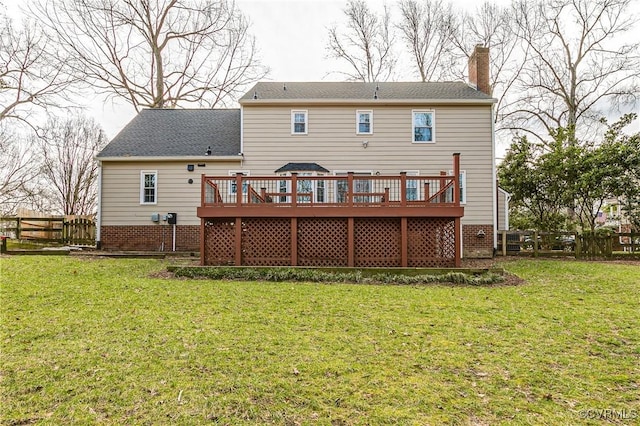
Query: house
pixel 349 169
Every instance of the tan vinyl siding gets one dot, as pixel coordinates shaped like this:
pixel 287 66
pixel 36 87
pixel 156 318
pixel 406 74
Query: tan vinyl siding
pixel 120 202
pixel 333 143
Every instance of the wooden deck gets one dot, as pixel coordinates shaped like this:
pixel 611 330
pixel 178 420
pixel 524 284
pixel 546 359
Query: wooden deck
pixel 386 221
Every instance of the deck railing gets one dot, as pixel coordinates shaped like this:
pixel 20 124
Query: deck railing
pixel 350 190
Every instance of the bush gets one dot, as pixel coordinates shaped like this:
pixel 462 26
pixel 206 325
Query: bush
pixel 313 275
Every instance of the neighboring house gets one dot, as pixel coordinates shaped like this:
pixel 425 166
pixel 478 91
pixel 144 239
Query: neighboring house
pixel 364 168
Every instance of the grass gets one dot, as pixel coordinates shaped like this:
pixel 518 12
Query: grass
pixel 107 341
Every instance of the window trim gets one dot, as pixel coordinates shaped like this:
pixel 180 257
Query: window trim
pixel 364 111
pixel 463 184
pixel 413 125
pixel 144 173
pixel 293 121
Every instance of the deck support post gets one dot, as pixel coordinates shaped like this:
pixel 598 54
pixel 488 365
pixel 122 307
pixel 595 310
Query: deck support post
pixel 458 260
pixel 350 243
pixel 404 242
pixel 294 241
pixel 203 253
pixel 238 241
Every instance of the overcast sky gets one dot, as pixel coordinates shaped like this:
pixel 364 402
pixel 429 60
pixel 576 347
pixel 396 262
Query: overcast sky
pixel 291 37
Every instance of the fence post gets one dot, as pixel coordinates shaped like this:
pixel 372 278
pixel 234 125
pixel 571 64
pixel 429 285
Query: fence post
pixel 18 224
pixel 535 243
pixel 504 243
pixel 578 245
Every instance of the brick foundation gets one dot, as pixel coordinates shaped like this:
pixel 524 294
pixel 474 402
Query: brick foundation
pixel 150 237
pixel 474 246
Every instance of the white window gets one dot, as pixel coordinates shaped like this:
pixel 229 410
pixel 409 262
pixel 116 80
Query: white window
pixel 359 186
pixel 148 187
pixel 423 126
pixel 364 122
pixel 463 187
pixel 304 186
pixel 412 185
pixel 232 185
pixel 299 122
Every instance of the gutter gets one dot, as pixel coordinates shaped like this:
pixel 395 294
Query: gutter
pixel 263 102
pixel 193 158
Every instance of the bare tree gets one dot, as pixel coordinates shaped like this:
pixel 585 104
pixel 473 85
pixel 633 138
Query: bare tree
pixel 489 25
pixel 154 53
pixel 30 80
pixel 18 172
pixel 426 28
pixel 366 44
pixel 69 167
pixel 581 61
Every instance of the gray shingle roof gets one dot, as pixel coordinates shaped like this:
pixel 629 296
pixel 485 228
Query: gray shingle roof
pixel 394 91
pixel 178 132
pixel 302 167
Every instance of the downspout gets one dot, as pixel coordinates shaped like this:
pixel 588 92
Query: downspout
pixel 241 131
pixel 99 212
pixel 494 178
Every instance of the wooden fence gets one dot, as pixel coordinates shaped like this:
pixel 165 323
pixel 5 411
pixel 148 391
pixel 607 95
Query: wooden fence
pixel 58 229
pixel 574 244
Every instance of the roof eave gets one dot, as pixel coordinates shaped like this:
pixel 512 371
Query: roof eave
pixel 368 102
pixel 237 157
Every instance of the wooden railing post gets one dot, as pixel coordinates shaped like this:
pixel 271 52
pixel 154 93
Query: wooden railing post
pixel 443 183
pixel 403 189
pixel 350 189
pixel 456 180
pixel 427 193
pixel 294 189
pixel 239 189
pixel 203 191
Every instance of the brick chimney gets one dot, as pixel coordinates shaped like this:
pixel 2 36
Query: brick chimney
pixel 479 69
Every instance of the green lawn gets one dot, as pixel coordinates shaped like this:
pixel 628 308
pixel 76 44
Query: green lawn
pixel 108 341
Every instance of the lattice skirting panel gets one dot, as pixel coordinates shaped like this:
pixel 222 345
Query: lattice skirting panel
pixel 323 242
pixel 431 242
pixel 219 242
pixel 266 241
pixel 376 242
